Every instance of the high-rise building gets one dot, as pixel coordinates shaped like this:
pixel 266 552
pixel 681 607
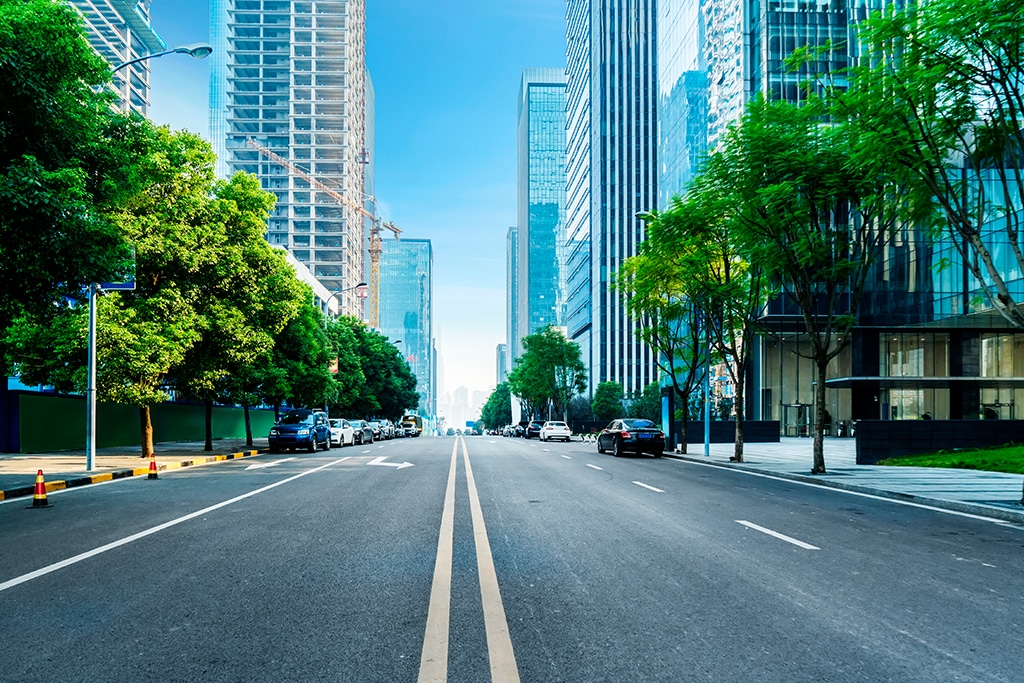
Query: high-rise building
pixel 291 77
pixel 612 170
pixel 406 311
pixel 512 294
pixel 541 200
pixel 501 363
pixel 119 31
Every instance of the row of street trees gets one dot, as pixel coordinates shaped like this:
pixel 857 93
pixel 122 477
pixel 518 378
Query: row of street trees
pixel 90 195
pixel 799 200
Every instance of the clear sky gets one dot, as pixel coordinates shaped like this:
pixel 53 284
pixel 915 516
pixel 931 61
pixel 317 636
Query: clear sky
pixel 446 76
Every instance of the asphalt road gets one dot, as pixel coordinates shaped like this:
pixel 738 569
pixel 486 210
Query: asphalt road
pixel 538 562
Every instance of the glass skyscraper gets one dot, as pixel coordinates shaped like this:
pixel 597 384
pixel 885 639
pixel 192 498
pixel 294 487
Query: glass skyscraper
pixel 512 293
pixel 119 31
pixel 290 75
pixel 541 201
pixel 612 170
pixel 406 311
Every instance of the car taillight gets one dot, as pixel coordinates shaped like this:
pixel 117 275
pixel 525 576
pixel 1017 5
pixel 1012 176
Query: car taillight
pixel 625 434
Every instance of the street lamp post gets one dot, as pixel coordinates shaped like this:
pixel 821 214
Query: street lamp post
pixel 198 51
pixel 360 290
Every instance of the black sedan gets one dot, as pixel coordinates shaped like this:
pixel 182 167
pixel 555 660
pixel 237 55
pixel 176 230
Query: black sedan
pixel 631 434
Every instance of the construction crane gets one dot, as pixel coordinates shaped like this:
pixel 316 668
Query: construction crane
pixel 377 225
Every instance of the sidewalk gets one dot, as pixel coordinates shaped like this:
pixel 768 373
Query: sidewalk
pixel 989 494
pixel 66 469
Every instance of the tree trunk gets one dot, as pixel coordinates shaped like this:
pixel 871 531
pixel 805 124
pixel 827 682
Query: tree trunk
pixel 248 426
pixel 147 431
pixel 738 405
pixel 819 421
pixel 209 425
pixel 682 433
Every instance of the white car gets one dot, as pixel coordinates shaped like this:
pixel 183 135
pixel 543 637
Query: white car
pixel 555 430
pixel 342 433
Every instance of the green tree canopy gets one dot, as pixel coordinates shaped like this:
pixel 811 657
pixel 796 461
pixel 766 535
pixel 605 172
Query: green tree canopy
pixel 550 370
pixel 607 403
pixel 497 412
pixel 66 158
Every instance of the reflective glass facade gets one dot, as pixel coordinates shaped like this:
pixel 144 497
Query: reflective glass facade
pixel 612 176
pixel 541 200
pixel 512 293
pixel 293 78
pixel 406 310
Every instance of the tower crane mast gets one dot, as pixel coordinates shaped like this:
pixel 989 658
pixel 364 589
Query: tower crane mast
pixel 377 225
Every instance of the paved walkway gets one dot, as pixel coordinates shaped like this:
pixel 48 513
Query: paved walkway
pixel 990 494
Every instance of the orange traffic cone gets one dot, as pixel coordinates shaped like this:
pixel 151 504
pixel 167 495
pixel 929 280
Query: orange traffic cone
pixel 39 497
pixel 152 467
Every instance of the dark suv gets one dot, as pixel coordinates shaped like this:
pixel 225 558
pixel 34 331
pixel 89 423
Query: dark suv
pixel 301 428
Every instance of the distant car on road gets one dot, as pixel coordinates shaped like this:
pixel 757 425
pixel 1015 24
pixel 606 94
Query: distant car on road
pixel 363 431
pixel 631 434
pixel 532 429
pixel 342 433
pixel 301 428
pixel 552 429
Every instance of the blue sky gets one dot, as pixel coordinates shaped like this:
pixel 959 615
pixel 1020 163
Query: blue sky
pixel 446 76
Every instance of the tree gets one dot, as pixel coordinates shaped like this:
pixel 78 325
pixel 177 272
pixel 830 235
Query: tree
pixel 815 205
pixel 66 158
pixel 647 404
pixel 607 403
pixel 498 409
pixel 246 298
pixel 660 297
pixel 940 91
pixel 550 371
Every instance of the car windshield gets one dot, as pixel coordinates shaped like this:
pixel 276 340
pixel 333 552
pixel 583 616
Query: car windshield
pixel 638 424
pixel 555 424
pixel 297 419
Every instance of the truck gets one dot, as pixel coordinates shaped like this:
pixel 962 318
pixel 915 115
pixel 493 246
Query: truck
pixel 413 425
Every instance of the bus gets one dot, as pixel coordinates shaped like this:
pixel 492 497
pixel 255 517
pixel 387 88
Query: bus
pixel 413 425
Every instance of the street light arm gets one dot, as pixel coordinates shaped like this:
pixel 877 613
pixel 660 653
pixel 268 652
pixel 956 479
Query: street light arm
pixel 197 50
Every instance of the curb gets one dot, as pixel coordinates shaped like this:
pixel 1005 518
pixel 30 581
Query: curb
pixel 85 480
pixel 979 509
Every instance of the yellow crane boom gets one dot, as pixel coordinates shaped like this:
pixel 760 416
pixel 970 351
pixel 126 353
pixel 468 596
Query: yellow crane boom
pixel 375 230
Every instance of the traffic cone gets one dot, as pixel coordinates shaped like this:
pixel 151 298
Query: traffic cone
pixel 152 467
pixel 39 497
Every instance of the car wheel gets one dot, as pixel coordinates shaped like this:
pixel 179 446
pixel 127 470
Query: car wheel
pixel 313 445
pixel 657 454
pixel 275 449
pixel 371 439
pixel 327 444
pixel 600 448
pixel 617 448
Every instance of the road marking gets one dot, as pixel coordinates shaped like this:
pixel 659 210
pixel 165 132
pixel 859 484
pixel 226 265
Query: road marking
pixel 149 532
pixel 547 450
pixel 499 643
pixel 776 534
pixel 380 461
pixel 567 457
pixel 650 488
pixel 434 659
pixel 261 465
pixel 595 467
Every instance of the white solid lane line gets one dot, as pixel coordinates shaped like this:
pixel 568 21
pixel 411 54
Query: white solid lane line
pixel 649 488
pixel 776 534
pixel 595 467
pixel 149 532
pixel 434 659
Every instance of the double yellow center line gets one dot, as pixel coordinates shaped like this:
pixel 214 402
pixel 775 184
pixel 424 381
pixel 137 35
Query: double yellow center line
pixel 434 660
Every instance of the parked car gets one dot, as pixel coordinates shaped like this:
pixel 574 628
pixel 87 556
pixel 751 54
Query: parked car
pixel 301 428
pixel 384 429
pixel 532 429
pixel 631 434
pixel 553 429
pixel 363 431
pixel 342 433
